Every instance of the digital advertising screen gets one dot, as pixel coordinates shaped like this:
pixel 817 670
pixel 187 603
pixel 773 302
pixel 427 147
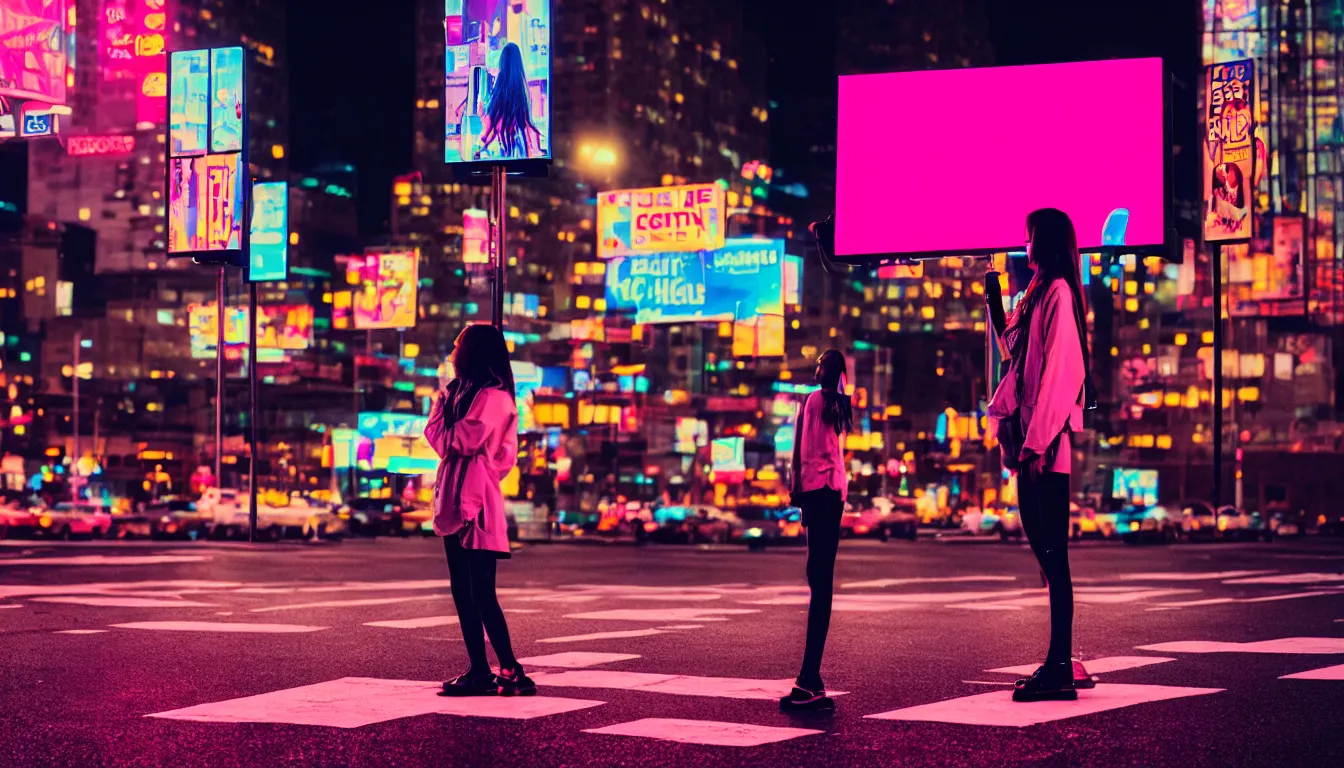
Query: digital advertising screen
pixel 952 161
pixel 286 327
pixel 497 80
pixel 742 281
pixel 793 279
pixel 34 50
pixel 475 236
pixel 1138 486
pixel 205 204
pixel 386 291
pixel 226 100
pixel 1229 150
pixel 189 105
pixel 268 241
pixel 660 220
pixel 728 457
pixel 691 434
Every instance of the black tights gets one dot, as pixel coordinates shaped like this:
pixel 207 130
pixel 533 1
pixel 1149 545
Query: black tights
pixel 1044 504
pixel 473 575
pixel 823 539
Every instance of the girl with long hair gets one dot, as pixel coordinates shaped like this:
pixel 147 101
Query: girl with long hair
pixel 473 427
pixel 1047 386
pixel 820 487
pixel 509 113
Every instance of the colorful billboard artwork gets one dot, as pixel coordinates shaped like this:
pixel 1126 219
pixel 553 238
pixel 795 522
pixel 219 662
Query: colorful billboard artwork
pixel 1285 269
pixel 226 100
pixel 1138 486
pixel 660 220
pixel 728 459
pixel 150 71
pixel 388 288
pixel 691 434
pixel 279 326
pixel 268 240
pixel 1229 156
pixel 188 112
pixel 33 50
pixel 741 281
pixel 904 149
pixel 475 236
pixel 205 204
pixel 497 73
pixel 793 279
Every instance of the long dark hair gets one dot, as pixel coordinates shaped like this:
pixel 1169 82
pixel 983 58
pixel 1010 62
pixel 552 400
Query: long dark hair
pixel 510 109
pixel 836 411
pixel 1054 250
pixel 481 358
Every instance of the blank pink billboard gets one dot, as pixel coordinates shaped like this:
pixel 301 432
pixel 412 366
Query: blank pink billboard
pixel 952 161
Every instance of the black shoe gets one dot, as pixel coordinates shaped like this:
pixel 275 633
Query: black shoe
pixel 471 684
pixel 1052 682
pixel 512 682
pixel 805 700
pixel 1082 679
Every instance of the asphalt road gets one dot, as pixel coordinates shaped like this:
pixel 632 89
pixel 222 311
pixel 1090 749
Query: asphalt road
pixel 124 654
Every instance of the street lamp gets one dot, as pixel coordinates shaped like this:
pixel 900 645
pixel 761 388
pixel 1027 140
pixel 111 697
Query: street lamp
pixel 599 157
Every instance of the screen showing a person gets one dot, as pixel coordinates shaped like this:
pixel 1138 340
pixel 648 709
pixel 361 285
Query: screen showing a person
pixel 497 71
pixel 952 161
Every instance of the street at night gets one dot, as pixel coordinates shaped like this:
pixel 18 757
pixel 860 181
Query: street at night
pixel 126 654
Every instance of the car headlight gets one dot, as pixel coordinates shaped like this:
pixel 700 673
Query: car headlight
pixel 44 521
pixel 754 533
pixel 1134 525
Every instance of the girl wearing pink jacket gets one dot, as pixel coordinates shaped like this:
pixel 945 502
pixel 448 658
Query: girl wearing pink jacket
pixel 1046 387
pixel 473 427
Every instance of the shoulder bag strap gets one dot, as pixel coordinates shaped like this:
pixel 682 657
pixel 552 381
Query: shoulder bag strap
pixel 798 447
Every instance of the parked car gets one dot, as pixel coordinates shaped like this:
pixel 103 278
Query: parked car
pixel 1086 523
pixel 1236 524
pixel 418 519
pixel 767 526
pixel 67 520
pixel 372 517
pixel 1146 524
pixel 17 518
pixel 862 518
pixel 526 519
pixel 688 524
pixel 901 519
pixel 995 518
pixel 1198 521
pixel 229 511
pixel 176 517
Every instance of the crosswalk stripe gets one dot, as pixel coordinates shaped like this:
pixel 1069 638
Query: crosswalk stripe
pixel 1095 666
pixel 1284 645
pixel 1325 673
pixel 706 732
pixel 576 659
pixel 228 627
pixel 603 636
pixel 997 708
pixel 428 621
pixel 680 685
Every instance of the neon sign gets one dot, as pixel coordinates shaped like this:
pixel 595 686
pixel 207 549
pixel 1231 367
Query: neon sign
pixel 100 145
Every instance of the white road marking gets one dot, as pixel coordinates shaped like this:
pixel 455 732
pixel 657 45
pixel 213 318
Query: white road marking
pixel 689 597
pixel 683 626
pixel 161 588
pixel 1187 575
pixel 231 627
pixel 121 602
pixel 1227 600
pixel 348 603
pixel 998 708
pixel 660 615
pixel 989 682
pixel 603 636
pixel 428 621
pixel 576 659
pixel 1291 578
pixel 1325 673
pixel 1284 645
pixel 106 560
pixel 357 586
pixel 558 598
pixel 680 685
pixel 879 583
pixel 707 732
pixel 12 605
pixel 80 631
pixel 848 603
pixel 520 610
pixel 1098 596
pixel 352 702
pixel 986 606
pixel 1094 666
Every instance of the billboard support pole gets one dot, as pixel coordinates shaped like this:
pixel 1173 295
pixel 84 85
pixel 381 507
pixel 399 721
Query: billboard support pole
pixel 1216 254
pixel 219 377
pixel 252 410
pixel 499 211
pixel 74 424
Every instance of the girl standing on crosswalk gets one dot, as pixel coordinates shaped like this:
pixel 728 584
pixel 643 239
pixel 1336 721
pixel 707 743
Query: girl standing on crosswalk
pixel 473 427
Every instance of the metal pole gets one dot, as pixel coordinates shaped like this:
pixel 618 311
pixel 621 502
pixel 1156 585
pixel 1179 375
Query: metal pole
pixel 219 378
pixel 74 426
pixel 1216 254
pixel 499 204
pixel 252 411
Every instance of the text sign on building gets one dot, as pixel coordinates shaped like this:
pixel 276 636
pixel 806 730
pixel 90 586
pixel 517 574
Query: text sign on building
pixel 740 281
pixel 34 52
pixel 99 145
pixel 660 220
pixel 1229 151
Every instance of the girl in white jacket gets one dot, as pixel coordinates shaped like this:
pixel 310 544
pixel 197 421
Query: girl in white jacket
pixel 473 427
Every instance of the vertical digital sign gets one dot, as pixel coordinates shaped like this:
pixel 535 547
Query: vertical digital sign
pixel 268 242
pixel 387 286
pixel 1229 156
pixel 475 236
pixel 34 50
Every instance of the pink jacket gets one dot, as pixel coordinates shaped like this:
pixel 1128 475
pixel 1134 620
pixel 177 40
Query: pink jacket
pixel 1052 381
pixel 476 454
pixel 822 462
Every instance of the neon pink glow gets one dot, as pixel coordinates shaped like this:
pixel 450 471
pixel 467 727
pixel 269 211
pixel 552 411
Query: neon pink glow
pixel 33 52
pixel 954 160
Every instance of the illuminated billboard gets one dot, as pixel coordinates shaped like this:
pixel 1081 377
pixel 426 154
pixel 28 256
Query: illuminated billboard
pixel 793 279
pixel 189 106
pixel 741 281
pixel 1229 150
pixel 205 204
pixel 268 241
pixel 286 327
pixel 99 145
pixel 34 50
pixel 660 220
pixel 691 434
pixel 387 288
pixel 952 161
pixel 226 100
pixel 728 459
pixel 475 236
pixel 497 80
pixel 1137 486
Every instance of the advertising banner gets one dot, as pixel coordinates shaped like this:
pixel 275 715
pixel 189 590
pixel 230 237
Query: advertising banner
pixel 188 112
pixel 387 290
pixel 497 80
pixel 34 52
pixel 269 237
pixel 280 327
pixel 226 100
pixel 660 220
pixel 691 434
pixel 205 204
pixel 741 281
pixel 1229 150
pixel 793 279
pixel 728 459
pixel 475 236
pixel 1138 486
